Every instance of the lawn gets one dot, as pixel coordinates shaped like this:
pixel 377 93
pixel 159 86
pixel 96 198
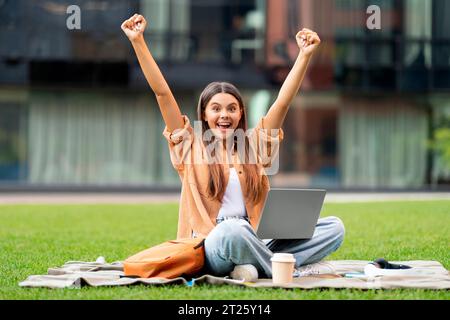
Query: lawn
pixel 35 237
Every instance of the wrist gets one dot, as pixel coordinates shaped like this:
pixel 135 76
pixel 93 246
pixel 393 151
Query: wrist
pixel 304 55
pixel 138 39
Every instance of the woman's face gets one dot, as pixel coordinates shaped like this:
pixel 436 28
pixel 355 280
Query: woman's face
pixel 223 114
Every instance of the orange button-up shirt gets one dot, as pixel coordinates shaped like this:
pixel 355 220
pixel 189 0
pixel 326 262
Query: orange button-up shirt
pixel 198 211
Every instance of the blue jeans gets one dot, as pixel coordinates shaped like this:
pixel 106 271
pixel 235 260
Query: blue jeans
pixel 233 242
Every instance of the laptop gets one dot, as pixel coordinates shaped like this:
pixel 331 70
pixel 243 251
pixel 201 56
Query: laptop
pixel 290 213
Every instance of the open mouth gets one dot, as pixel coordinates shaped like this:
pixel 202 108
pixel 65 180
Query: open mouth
pixel 224 125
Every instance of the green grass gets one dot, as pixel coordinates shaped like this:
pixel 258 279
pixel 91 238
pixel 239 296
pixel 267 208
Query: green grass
pixel 36 237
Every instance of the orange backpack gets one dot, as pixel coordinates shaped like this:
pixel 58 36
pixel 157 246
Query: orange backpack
pixel 169 260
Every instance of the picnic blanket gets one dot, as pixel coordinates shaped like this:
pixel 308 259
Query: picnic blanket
pixel 75 274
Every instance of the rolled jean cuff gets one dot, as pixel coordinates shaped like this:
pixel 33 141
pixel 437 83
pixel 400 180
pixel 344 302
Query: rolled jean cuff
pixel 222 219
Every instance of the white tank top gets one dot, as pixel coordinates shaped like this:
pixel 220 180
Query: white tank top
pixel 233 204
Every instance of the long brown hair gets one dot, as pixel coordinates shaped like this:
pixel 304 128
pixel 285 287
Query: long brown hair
pixel 216 187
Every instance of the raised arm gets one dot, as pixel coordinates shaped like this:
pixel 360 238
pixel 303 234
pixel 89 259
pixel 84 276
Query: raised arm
pixel 134 29
pixel 308 41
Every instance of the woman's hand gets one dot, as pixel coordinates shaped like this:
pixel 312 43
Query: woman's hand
pixel 308 41
pixel 134 27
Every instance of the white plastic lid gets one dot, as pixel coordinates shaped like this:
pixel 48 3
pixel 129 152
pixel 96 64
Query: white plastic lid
pixel 283 257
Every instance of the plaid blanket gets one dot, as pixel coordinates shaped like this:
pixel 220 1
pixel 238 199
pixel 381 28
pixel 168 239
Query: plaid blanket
pixel 74 274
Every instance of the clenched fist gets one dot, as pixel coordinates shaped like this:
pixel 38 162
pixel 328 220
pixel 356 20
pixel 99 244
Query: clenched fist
pixel 308 41
pixel 134 27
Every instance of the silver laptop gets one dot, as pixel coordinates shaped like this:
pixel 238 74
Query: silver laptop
pixel 290 213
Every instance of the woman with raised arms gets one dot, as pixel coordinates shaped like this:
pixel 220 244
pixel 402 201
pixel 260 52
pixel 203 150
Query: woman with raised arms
pixel 223 192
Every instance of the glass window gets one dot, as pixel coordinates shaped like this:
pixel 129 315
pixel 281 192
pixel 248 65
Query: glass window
pixel 13 165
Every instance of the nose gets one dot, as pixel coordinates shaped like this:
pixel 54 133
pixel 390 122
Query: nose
pixel 224 114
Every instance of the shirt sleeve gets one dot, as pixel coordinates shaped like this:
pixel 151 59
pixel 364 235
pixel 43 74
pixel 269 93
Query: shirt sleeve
pixel 265 144
pixel 180 143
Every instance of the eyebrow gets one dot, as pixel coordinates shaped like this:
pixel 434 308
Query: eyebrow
pixel 233 103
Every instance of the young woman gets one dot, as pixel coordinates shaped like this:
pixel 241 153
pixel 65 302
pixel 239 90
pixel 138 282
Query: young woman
pixel 223 193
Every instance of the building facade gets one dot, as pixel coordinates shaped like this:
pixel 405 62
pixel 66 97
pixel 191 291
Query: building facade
pixel 76 111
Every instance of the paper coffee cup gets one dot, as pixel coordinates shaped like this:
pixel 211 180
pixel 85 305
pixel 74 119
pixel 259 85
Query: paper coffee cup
pixel 282 268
